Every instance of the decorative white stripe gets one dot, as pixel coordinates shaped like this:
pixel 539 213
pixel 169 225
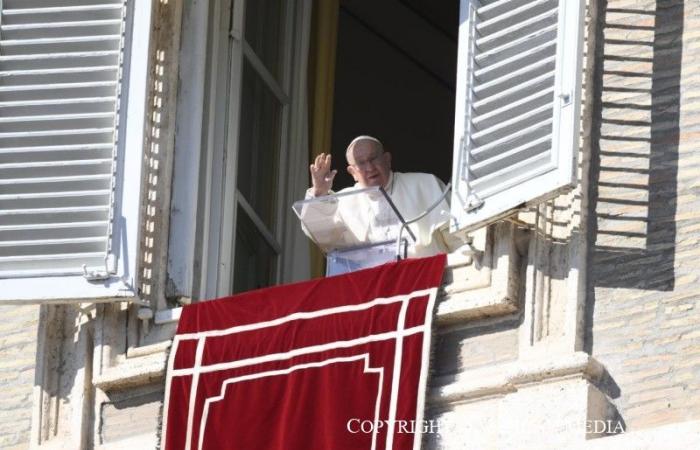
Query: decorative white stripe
pixel 287 371
pixel 425 361
pixel 168 381
pixel 193 392
pixel 396 374
pixel 297 352
pixel 307 315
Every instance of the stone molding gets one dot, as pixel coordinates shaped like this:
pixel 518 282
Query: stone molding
pixel 506 378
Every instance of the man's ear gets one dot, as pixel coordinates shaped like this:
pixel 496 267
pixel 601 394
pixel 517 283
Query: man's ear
pixel 351 170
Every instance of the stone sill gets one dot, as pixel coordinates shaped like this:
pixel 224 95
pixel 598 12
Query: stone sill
pixel 143 365
pixel 505 378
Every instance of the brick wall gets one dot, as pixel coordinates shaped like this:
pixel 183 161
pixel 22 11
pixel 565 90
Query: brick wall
pixel 644 263
pixel 18 329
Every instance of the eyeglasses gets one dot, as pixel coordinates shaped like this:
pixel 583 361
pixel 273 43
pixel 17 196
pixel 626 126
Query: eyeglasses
pixel 367 162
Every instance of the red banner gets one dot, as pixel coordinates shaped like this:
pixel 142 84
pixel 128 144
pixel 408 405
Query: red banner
pixel 334 363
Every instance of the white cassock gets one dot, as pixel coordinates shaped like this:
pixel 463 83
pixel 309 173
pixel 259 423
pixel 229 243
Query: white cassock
pixel 357 220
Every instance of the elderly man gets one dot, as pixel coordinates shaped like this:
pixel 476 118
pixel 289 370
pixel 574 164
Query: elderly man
pixel 412 193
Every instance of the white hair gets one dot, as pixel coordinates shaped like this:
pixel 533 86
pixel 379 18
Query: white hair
pixel 377 142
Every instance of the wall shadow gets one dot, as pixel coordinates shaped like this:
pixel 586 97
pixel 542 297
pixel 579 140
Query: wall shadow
pixel 635 139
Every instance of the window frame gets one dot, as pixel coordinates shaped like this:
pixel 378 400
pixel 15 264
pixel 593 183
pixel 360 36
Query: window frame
pixel 202 234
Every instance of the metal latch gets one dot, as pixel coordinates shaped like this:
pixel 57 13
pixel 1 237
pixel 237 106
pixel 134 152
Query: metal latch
pixel 98 275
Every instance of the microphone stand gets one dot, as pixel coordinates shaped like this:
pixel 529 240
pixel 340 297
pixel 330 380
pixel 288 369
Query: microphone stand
pixel 419 217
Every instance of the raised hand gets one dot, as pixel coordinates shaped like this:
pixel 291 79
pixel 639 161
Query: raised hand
pixel 322 175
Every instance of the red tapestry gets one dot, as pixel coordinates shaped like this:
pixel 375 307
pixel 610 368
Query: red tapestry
pixel 334 363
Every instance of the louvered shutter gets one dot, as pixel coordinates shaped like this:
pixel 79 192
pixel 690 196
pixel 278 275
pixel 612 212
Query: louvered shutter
pixel 518 105
pixel 72 105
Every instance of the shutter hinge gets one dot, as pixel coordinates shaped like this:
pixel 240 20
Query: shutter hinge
pixel 99 275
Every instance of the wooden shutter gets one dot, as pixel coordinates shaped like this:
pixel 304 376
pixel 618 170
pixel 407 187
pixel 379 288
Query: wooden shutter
pixel 64 72
pixel 518 105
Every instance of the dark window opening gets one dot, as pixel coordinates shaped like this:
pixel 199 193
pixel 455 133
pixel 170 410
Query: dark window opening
pixel 396 65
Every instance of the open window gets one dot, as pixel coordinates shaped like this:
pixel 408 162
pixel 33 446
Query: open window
pixel 73 83
pixel 236 232
pixel 402 70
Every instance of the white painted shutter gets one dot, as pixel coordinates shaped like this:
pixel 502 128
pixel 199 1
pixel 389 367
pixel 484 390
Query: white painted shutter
pixel 518 105
pixel 66 89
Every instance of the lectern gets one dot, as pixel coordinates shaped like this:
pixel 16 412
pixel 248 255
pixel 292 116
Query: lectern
pixel 356 229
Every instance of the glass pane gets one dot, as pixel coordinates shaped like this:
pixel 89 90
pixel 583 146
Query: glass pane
pixel 258 155
pixel 264 29
pixel 254 264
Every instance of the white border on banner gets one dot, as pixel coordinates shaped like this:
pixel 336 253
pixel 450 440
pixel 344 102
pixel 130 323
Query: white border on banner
pixel 287 371
pixel 398 335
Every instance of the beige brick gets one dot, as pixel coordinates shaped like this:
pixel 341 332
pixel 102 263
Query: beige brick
pixel 648 360
pixel 679 308
pixel 632 377
pixel 646 408
pixel 652 394
pixel 645 318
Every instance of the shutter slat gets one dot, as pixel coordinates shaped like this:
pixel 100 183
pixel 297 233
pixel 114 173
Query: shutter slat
pixel 52 87
pixel 41 180
pixel 53 226
pixel 50 25
pixel 4 74
pixel 56 148
pixel 48 195
pixel 57 117
pixel 84 162
pixel 69 210
pixel 29 243
pixel 57 40
pixel 50 56
pixel 61 9
pixel 58 101
pixel 49 133
pixel 55 258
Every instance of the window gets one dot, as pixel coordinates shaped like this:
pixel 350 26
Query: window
pixel 72 104
pixel 252 162
pixel 518 105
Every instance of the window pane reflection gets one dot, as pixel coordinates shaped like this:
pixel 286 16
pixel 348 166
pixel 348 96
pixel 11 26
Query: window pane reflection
pixel 258 158
pixel 254 264
pixel 264 31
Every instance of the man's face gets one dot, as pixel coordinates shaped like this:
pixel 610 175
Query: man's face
pixel 368 165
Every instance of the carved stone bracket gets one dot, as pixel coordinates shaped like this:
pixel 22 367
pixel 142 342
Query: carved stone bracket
pixel 484 286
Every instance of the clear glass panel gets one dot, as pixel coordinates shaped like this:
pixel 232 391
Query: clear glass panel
pixel 264 29
pixel 254 265
pixel 258 155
